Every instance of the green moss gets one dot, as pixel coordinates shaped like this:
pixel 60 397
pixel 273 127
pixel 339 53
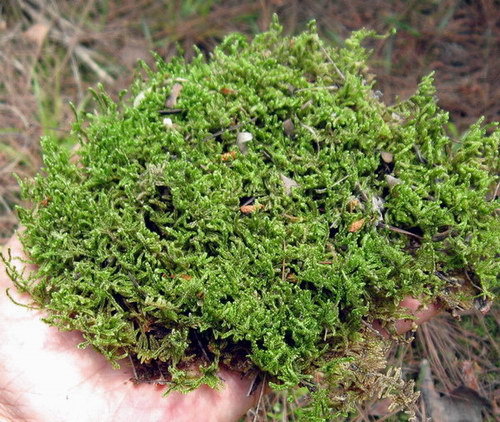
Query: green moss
pixel 143 246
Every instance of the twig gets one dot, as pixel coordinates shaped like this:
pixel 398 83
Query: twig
pixel 333 63
pixel 398 230
pixel 253 386
pixel 5 205
pixel 315 88
pixel 340 181
pixel 133 368
pixel 495 194
pixel 16 63
pixel 201 346
pixel 283 264
pixel 76 75
pixel 17 112
pixel 314 135
pixel 469 279
pixel 260 398
pixel 372 330
pixel 170 111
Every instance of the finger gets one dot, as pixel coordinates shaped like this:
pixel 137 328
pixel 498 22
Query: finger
pixel 226 405
pixel 13 253
pixel 421 314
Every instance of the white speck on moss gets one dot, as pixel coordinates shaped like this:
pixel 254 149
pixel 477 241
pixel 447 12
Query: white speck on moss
pixel 140 97
pixel 242 139
pixel 288 184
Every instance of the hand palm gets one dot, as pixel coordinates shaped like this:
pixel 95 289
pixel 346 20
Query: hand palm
pixel 45 377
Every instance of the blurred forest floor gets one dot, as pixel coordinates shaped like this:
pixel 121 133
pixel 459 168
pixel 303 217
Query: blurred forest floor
pixel 51 51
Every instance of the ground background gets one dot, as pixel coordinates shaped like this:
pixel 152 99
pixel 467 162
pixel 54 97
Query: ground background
pixel 51 51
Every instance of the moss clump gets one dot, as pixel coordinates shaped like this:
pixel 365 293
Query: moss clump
pixel 259 218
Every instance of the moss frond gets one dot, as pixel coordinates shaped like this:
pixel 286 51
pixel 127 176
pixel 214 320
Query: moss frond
pixel 145 246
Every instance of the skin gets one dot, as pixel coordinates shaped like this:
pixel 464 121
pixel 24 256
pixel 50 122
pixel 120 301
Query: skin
pixel 45 377
pixel 419 313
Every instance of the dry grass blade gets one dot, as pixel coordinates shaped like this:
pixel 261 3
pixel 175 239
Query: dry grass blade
pixel 64 32
pixel 451 349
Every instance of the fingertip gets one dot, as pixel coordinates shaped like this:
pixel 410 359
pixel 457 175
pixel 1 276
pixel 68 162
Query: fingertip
pixel 410 303
pixel 421 312
pixel 15 247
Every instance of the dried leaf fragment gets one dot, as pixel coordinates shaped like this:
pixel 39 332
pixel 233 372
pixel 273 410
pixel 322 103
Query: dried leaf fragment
pixel 288 184
pixel 140 97
pixel 227 91
pixel 183 276
pixel 306 104
pixel 37 33
pixel 288 128
pixel 248 209
pixel 231 155
pixel 353 204
pixel 392 181
pixel 398 118
pixel 387 157
pixel 356 225
pixel 45 202
pixel 174 94
pixel 292 218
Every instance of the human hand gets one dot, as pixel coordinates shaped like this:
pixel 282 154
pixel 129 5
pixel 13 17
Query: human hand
pixel 419 313
pixel 45 377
